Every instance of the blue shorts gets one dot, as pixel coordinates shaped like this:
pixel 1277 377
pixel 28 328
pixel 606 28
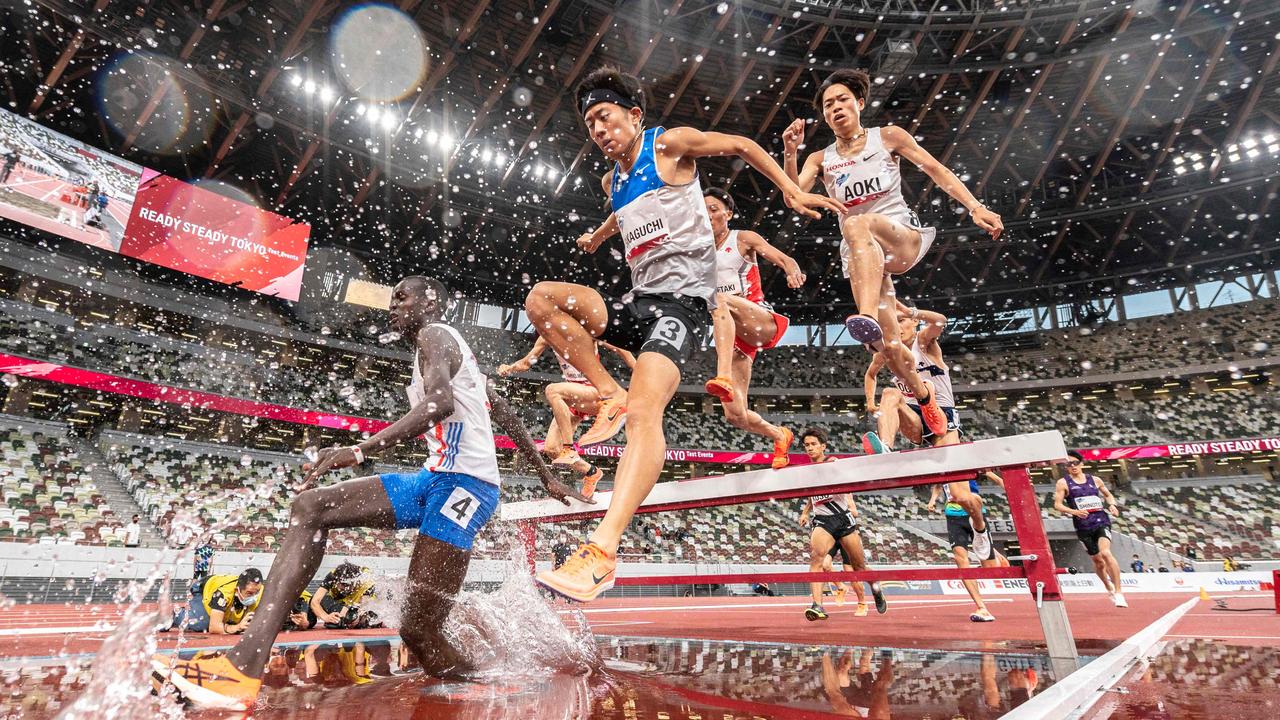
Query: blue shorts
pixel 926 435
pixel 450 507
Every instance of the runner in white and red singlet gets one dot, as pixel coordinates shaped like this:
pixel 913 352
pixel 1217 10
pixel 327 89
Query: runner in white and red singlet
pixel 743 323
pixel 571 402
pixel 880 234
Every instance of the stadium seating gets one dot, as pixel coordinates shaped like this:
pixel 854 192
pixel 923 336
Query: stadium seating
pixel 49 496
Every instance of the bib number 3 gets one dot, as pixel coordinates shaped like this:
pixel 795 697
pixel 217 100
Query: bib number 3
pixel 670 331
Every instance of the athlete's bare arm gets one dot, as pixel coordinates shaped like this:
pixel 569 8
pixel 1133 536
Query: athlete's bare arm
pixel 804 512
pixel 502 413
pixel 994 477
pixel 899 141
pixel 1106 495
pixel 934 323
pixel 878 362
pixel 853 508
pixel 792 138
pixel 684 143
pixel 754 242
pixel 590 242
pixel 1059 501
pixel 439 359
pixel 526 362
pixel 935 492
pixel 626 356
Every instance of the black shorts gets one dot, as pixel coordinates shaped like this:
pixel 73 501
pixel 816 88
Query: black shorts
pixel 668 324
pixel 838 549
pixel 926 435
pixel 1090 538
pixel 959 531
pixel 837 525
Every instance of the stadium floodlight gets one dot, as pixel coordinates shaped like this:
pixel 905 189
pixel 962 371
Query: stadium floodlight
pixel 486 155
pixel 295 79
pixel 1177 160
pixel 1250 144
pixel 388 120
pixel 445 142
pixel 309 86
pixel 1197 166
pixel 499 158
pixel 1234 157
pixel 1274 149
pixel 326 93
pixel 361 109
pixel 373 114
pixel 553 175
pixel 1252 152
pixel 432 137
pixel 1180 169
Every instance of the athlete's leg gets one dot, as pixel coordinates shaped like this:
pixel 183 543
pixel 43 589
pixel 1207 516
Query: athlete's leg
pixel 355 503
pixel 896 417
pixel 1102 571
pixel 436 572
pixel 1109 563
pixel 653 384
pixel 960 492
pixel 961 556
pixel 738 413
pixel 855 560
pixel 570 317
pixel 820 544
pixel 723 330
pixel 552 446
pixel 901 362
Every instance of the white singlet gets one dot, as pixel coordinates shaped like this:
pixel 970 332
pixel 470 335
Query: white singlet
pixel 870 181
pixel 829 504
pixel 665 228
pixel 939 375
pixel 571 373
pixel 462 442
pixel 736 275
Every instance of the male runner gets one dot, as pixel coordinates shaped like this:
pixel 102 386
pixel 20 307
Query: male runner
pixel 881 236
pixel 1082 496
pixel 900 413
pixel 834 525
pixel 449 501
pixel 814 440
pixel 961 534
pixel 744 324
pixel 667 241
pixel 570 401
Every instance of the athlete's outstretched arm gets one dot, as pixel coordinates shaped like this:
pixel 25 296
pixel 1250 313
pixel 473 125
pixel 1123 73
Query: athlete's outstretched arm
pixel 526 362
pixel 934 322
pixel 685 142
pixel 755 242
pixel 590 242
pixel 897 140
pixel 501 412
pixel 626 356
pixel 792 138
pixel 994 477
pixel 439 359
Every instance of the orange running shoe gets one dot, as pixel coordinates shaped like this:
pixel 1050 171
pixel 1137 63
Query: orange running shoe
pixel 567 458
pixel 208 680
pixel 721 387
pixel 609 421
pixel 587 573
pixel 780 447
pixel 933 415
pixel 861 610
pixel 590 480
pixel 840 593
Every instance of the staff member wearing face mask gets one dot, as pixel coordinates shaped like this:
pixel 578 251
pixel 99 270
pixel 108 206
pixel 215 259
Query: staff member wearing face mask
pixel 224 604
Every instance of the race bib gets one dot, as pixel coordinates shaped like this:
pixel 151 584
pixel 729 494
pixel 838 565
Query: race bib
pixel 1089 503
pixel 670 330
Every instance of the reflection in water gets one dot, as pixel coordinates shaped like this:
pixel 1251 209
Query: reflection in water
pixel 644 679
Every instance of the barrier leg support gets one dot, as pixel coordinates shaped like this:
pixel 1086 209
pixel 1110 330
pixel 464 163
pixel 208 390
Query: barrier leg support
pixel 1042 575
pixel 1275 587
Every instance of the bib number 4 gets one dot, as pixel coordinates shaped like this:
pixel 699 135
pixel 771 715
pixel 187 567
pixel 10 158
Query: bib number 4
pixel 460 507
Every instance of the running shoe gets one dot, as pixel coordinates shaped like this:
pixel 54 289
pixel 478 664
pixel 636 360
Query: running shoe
pixel 721 387
pixel 780 447
pixel 861 610
pixel 840 593
pixel 815 612
pixel 982 545
pixel 1119 600
pixel 882 607
pixel 568 457
pixel 934 418
pixel 589 481
pixel 981 615
pixel 609 421
pixel 872 445
pixel 208 680
pixel 866 330
pixel 587 573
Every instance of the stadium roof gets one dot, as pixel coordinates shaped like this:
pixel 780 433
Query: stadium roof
pixel 1127 145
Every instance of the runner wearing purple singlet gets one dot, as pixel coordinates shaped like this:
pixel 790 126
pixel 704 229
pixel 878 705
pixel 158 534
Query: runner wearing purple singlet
pixel 1091 506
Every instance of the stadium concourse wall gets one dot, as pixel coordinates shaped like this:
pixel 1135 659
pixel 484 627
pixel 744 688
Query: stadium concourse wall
pixel 76 573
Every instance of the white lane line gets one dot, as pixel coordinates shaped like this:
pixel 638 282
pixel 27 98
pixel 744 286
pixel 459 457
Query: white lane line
pixel 622 622
pixel 17 632
pixel 755 606
pixel 1211 636
pixel 1076 693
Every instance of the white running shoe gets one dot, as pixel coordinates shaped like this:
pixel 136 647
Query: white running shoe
pixel 982 545
pixel 1118 599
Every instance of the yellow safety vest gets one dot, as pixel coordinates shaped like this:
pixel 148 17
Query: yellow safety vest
pixel 227 584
